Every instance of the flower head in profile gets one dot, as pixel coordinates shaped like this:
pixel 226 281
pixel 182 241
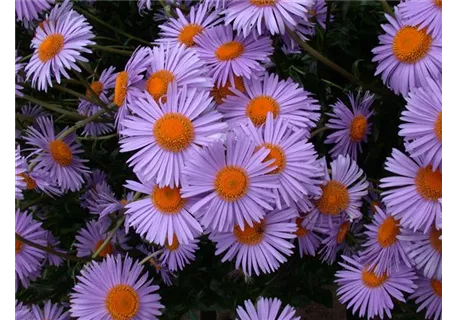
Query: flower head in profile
pixel 144 5
pixel 27 10
pixel 161 268
pixel 53 243
pixel 266 309
pixel 177 255
pixel 39 180
pixel 426 14
pixel 429 297
pixel 50 311
pixel 20 168
pixel 18 67
pixel 373 200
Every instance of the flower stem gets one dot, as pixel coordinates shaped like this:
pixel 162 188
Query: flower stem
pixel 112 50
pixel 150 257
pixel 386 7
pixel 318 131
pixel 98 138
pixel 81 124
pixel 55 108
pixel 109 237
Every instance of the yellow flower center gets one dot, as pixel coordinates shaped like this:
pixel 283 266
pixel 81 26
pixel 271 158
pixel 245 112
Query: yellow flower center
pixel 436 285
pixel 429 183
pixel 97 87
pixel 438 3
pixel 388 232
pixel 438 126
pixel 174 245
pixel 231 183
pixel 301 232
pixel 434 236
pixel 334 199
pixel 157 84
pixel 229 50
pixel 120 89
pixel 167 200
pixel 61 152
pixel 258 109
pixel 31 183
pixel 108 248
pixel 410 45
pixel 19 246
pixel 50 47
pixel 262 3
pixel 187 34
pixel 343 231
pixel 250 235
pixel 174 132
pixel 371 280
pixel 358 128
pixel 122 302
pixel 220 93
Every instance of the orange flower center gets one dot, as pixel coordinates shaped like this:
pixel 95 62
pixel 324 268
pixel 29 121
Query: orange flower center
pixel 174 245
pixel 229 50
pixel 258 109
pixel 275 153
pixel 123 202
pixel 301 232
pixel 61 152
pixel 174 132
pixel 108 248
pixel 31 184
pixel 262 3
pixel 231 183
pixel 358 128
pixel 50 47
pixel 388 232
pixel 438 126
pixel 438 3
pixel 373 205
pixel 220 93
pixel 343 231
pixel 436 285
pixel 167 200
pixel 250 235
pixel 429 183
pixel 157 84
pixel 19 246
pixel 334 199
pixel 120 89
pixel 97 87
pixel 122 302
pixel 410 45
pixel 434 236
pixel 371 280
pixel 187 34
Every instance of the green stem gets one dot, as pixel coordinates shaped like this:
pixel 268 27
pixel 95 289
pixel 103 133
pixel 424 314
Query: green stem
pixel 375 190
pixel 55 108
pixel 73 93
pixel 98 138
pixel 150 257
pixel 26 58
pixel 112 50
pixel 318 131
pixel 31 203
pixel 386 7
pixel 109 237
pixel 94 94
pixel 80 124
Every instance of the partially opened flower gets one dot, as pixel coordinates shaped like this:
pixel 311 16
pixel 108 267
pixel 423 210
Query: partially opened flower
pixel 266 309
pixel 318 14
pixel 407 55
pixel 165 135
pixel 58 157
pixel 228 55
pixel 370 295
pixel 27 10
pixel 426 14
pixel 350 124
pixel 160 268
pixel 308 239
pixel 33 112
pixel 414 191
pixel 283 98
pixel 53 243
pixel 50 311
pixel 40 181
pixel 116 288
pixel 144 5
pixel 429 296
pixel 96 181
pixel 20 168
pixel 18 66
pixel 232 182
pixel 58 46
pixel 262 247
pixel 177 255
pixel 103 201
pixel 373 200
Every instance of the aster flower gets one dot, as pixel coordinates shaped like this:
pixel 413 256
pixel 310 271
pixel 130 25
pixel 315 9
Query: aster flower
pixel 115 288
pixel 50 311
pixel 53 243
pixel 144 5
pixel 351 125
pixel 58 157
pixel 373 200
pixel 219 93
pixel 228 55
pixel 177 255
pixel 96 181
pixel 216 4
pixel 262 246
pixel 276 15
pixel 284 98
pixel 407 55
pixel 308 239
pixel 21 312
pixel 160 268
pixel 20 168
pixel 103 201
pixel 317 13
pixel 40 181
pixel 414 192
pixel 179 126
pixel 28 259
pixel 27 10
pixel 266 309
pixel 33 111
pixel 58 46
pixel 422 123
pixel 232 182
pixel 429 297
pixel 18 66
pixel 162 215
pixel 368 294
pixel 90 239
pixel 294 157
pixel 426 14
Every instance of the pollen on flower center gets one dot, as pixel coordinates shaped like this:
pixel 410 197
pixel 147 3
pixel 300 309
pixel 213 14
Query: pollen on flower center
pixel 167 200
pixel 262 3
pixel 122 302
pixel 358 128
pixel 187 34
pixel 438 126
pixel 258 108
pixel 173 132
pixel 229 50
pixel 157 84
pixel 250 235
pixel 429 183
pixel 97 87
pixel 343 231
pixel 301 232
pixel 220 93
pixel 61 152
pixel 334 199
pixel 231 183
pixel 388 232
pixel 438 3
pixel 50 47
pixel 108 249
pixel 371 280
pixel 436 285
pixel 19 246
pixel 434 236
pixel 31 183
pixel 120 89
pixel 174 245
pixel 410 45
pixel 275 153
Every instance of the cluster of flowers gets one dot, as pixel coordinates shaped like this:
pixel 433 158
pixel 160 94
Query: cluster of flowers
pixel 220 147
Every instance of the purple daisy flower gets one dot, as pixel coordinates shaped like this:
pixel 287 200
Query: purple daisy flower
pixel 266 309
pixel 162 215
pixel 216 4
pixel 28 259
pixel 53 243
pixel 384 251
pixel 422 127
pixel 177 255
pixel 248 16
pixel 368 294
pixel 262 246
pixel 308 239
pixel 415 191
pixel 18 68
pixel 426 14
pixel 179 126
pixel 20 168
pixel 351 125
pixel 27 10
pixel 116 288
pixel 294 157
pixel 96 181
pixel 58 46
pixel 103 201
pixel 90 239
pixel 58 157
pixel 184 29
pixel 232 182
pixel 50 311
pixel 228 55
pixel 429 297
pixel 160 268
pixel 407 55
pixel 318 14
pixel 40 181
pixel 284 98
pixel 144 5
pixel 34 111
pixel 22 312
